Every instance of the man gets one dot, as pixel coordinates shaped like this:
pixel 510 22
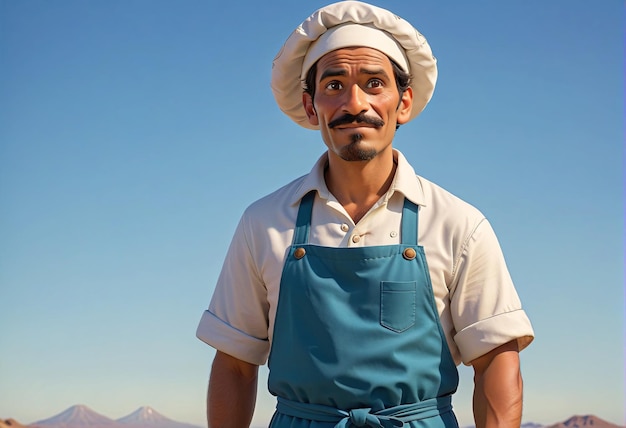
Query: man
pixel 365 284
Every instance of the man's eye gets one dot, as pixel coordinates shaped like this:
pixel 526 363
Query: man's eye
pixel 334 86
pixel 375 83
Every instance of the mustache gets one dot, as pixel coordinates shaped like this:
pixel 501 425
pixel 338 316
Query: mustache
pixel 347 119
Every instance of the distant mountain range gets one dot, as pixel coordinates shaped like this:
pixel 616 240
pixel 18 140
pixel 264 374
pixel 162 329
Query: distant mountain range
pixel 80 416
pixel 588 421
pixel 584 422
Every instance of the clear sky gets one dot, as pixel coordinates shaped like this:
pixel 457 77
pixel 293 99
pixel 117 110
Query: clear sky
pixel 133 133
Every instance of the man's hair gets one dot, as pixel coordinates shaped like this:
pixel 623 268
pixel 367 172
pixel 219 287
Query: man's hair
pixel 403 79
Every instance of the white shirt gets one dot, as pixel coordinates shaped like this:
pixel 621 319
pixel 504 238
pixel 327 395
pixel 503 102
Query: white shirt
pixel 478 306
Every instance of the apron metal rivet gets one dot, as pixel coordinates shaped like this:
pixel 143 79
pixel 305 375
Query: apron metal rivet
pixel 299 253
pixel 409 254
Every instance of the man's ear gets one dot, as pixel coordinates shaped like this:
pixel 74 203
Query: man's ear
pixel 309 108
pixel 405 107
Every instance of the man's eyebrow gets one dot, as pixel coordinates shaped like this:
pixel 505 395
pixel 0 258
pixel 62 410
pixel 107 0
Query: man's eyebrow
pixel 334 72
pixel 374 71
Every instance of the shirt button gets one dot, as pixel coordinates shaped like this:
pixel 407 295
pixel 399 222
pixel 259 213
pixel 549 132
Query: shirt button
pixel 393 234
pixel 345 227
pixel 356 238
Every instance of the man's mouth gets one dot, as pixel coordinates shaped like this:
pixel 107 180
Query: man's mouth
pixel 354 125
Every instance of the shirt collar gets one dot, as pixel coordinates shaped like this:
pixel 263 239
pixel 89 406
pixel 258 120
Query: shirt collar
pixel 405 181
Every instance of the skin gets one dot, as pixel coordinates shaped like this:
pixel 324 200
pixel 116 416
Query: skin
pixel 498 388
pixel 232 392
pixel 359 82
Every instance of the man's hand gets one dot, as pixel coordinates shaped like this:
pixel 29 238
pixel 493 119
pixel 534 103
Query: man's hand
pixel 498 388
pixel 232 392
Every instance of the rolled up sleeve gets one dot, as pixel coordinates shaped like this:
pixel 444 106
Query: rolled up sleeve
pixel 479 338
pixel 485 306
pixel 236 321
pixel 220 335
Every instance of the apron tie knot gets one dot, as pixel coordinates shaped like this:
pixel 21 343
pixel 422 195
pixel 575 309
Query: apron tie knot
pixel 359 418
pixel 390 417
pixel 363 418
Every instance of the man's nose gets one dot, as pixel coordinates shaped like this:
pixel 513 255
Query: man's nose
pixel 355 100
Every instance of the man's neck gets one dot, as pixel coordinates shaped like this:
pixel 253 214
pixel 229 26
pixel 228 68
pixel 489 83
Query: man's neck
pixel 358 185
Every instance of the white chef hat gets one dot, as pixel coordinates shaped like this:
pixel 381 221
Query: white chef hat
pixel 348 24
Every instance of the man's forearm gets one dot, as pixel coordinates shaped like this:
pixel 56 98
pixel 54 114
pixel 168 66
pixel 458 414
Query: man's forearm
pixel 232 392
pixel 498 389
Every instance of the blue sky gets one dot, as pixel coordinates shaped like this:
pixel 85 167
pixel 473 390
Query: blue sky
pixel 134 133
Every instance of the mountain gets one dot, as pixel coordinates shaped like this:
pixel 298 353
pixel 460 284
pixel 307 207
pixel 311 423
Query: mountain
pixel 11 423
pixel 587 421
pixel 83 417
pixel 78 416
pixel 147 417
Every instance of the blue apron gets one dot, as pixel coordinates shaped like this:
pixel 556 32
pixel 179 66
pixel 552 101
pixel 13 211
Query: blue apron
pixel 357 339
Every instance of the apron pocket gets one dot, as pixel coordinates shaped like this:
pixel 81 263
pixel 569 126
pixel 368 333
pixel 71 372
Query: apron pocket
pixel 397 305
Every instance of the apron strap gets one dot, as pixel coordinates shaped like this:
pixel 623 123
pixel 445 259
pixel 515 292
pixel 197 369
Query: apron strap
pixel 409 227
pixel 391 417
pixel 303 222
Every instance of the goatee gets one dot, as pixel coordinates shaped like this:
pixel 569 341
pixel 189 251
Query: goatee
pixel 354 153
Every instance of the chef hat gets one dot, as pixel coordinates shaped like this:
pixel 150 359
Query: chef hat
pixel 348 24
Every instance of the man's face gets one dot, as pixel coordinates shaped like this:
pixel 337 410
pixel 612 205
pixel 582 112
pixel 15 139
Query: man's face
pixel 356 103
